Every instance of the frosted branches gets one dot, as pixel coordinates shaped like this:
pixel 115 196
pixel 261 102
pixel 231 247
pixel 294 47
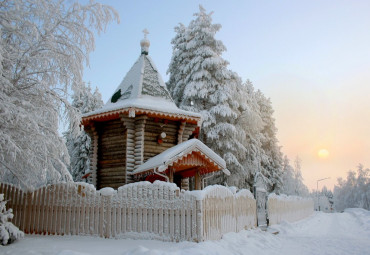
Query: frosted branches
pixel 44 47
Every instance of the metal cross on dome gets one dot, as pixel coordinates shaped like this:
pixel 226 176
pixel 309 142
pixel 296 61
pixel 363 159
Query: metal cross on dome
pixel 146 32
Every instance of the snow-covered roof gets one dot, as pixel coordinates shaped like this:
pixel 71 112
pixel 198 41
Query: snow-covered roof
pixel 142 88
pixel 147 103
pixel 172 155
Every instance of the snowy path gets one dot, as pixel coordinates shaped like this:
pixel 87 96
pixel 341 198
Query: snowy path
pixel 337 233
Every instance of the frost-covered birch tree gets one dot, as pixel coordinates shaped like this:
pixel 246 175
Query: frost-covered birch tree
pixel 44 46
pixel 78 144
pixel 353 191
pixel 198 70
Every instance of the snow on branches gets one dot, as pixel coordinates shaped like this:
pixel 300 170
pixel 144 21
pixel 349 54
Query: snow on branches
pixel 237 121
pixel 8 232
pixel 44 46
pixel 78 144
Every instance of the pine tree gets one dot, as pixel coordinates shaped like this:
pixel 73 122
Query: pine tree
pixel 288 180
pixel 180 58
pixel 249 125
pixel 292 181
pixel 208 86
pixel 78 144
pixel 8 232
pixel 271 156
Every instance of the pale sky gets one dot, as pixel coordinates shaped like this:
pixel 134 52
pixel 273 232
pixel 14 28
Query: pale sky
pixel 312 58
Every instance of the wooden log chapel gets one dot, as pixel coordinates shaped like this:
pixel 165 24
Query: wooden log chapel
pixel 140 134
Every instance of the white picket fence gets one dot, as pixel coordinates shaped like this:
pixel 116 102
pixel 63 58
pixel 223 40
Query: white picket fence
pixel 225 211
pixel 288 208
pixel 139 210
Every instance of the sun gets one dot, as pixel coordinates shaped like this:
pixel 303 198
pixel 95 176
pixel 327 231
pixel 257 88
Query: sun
pixel 323 153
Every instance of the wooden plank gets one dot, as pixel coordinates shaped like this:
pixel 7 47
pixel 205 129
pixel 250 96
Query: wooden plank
pixel 150 211
pixel 124 212
pixel 171 216
pixel 11 201
pixel 68 210
pixel 96 214
pixel 83 207
pixel 78 209
pixel 140 209
pixel 37 211
pixel 16 210
pixel 47 210
pixel 160 212
pixel 198 221
pixel 56 211
pixel 166 220
pixel 108 216
pixel 156 211
pixel 188 222
pixel 73 210
pixel 101 216
pixel 144 198
pixel 51 209
pixel 29 212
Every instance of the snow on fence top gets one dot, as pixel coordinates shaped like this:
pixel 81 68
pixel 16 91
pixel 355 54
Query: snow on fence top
pixel 220 192
pixel 289 208
pixel 284 197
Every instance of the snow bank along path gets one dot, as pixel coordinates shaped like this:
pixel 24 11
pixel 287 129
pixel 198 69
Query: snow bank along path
pixel 321 233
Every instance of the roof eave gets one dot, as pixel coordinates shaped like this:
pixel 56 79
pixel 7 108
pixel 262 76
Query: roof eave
pixel 132 111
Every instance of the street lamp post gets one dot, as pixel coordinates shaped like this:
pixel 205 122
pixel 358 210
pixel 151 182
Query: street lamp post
pixel 317 190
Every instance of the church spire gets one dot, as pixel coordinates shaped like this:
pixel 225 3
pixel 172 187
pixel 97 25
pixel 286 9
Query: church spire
pixel 145 43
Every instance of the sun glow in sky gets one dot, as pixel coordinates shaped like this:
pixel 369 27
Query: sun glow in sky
pixel 323 153
pixel 312 58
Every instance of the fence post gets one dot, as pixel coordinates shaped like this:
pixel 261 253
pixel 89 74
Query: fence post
pixel 107 213
pixel 199 211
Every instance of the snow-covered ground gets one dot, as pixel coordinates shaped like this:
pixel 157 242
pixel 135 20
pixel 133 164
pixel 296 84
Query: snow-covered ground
pixel 321 233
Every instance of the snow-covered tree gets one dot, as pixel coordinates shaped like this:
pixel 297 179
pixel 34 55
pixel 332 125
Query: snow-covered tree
pixel 271 156
pixel 354 191
pixel 44 46
pixel 209 87
pixel 8 232
pixel 78 144
pixel 323 199
pixel 249 125
pixel 292 180
pixel 289 186
pixel 180 59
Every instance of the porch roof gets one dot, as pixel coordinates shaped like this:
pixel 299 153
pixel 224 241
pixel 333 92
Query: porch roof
pixel 169 157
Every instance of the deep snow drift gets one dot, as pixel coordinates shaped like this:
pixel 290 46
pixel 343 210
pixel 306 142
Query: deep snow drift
pixel 321 233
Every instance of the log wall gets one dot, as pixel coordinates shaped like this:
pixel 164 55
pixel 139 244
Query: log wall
pixel 111 154
pixel 152 130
